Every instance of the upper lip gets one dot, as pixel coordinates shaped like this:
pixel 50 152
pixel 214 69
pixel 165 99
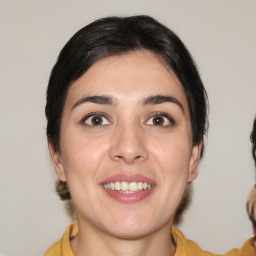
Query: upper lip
pixel 127 178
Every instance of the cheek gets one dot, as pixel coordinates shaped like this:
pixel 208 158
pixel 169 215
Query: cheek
pixel 83 155
pixel 172 159
pixel 173 155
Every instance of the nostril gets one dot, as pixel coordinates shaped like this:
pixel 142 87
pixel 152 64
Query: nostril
pixel 128 149
pixel 129 158
pixel 118 157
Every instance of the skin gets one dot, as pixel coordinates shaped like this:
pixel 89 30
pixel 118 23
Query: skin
pixel 129 142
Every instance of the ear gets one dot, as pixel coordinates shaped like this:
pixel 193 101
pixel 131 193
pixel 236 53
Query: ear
pixel 194 161
pixel 57 162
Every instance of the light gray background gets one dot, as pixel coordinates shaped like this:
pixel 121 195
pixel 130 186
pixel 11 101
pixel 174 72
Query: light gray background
pixel 220 35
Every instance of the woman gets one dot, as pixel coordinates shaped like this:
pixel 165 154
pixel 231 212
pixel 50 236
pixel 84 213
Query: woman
pixel 127 114
pixel 251 204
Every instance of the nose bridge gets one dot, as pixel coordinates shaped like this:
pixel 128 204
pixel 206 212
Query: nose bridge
pixel 129 144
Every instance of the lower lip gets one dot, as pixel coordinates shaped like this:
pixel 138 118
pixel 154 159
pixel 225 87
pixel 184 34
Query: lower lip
pixel 128 198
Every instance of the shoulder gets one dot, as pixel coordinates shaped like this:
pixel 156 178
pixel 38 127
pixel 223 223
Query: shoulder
pixel 54 250
pixel 249 247
pixel 187 247
pixel 62 247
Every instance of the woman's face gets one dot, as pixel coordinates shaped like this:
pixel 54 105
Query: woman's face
pixel 126 145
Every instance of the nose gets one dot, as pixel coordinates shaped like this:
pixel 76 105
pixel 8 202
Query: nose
pixel 129 145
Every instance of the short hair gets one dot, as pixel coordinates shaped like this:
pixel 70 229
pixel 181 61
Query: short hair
pixel 253 140
pixel 118 35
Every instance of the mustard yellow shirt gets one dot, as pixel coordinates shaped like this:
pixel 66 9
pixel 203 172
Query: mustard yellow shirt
pixel 184 247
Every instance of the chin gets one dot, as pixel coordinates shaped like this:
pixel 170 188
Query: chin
pixel 133 226
pixel 132 232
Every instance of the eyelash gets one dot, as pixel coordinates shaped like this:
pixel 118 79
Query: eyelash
pixel 94 114
pixel 151 116
pixel 164 115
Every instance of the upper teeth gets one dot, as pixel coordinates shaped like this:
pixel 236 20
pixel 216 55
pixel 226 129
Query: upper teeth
pixel 127 187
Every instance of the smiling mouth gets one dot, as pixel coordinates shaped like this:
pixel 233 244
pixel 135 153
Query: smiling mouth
pixel 127 187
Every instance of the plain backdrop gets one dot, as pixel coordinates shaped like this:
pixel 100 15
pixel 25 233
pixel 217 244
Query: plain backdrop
pixel 222 39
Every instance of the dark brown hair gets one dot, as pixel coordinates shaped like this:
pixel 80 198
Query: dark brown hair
pixel 253 140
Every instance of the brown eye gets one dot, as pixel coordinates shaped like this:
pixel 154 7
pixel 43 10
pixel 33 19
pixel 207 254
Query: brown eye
pixel 160 120
pixel 96 120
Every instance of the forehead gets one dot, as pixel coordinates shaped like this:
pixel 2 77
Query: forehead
pixel 132 75
pixel 128 64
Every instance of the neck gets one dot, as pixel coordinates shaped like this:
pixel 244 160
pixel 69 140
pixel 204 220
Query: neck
pixel 96 243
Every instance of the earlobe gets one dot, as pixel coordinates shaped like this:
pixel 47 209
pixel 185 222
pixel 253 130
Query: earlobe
pixel 57 162
pixel 194 161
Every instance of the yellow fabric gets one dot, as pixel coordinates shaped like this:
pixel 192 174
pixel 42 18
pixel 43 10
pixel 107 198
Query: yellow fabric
pixel 184 247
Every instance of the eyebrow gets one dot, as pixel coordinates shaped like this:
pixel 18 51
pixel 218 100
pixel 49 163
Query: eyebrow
pixel 97 99
pixel 159 99
pixel 108 100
